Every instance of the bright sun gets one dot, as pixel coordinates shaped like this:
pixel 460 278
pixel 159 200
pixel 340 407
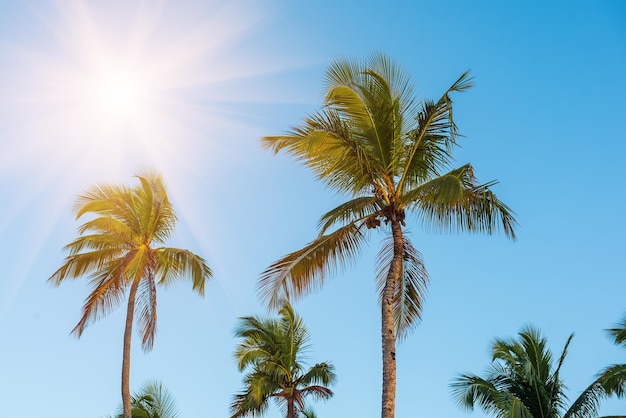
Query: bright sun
pixel 118 93
pixel 117 86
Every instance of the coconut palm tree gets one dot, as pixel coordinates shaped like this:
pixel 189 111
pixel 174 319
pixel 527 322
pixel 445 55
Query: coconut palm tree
pixel 271 350
pixel 523 381
pixel 392 155
pixel 152 400
pixel 119 250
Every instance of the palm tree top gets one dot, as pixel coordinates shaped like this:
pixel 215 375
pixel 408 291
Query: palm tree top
pixel 271 350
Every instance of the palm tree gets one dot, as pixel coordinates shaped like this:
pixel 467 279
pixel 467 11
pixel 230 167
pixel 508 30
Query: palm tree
pixel 118 250
pixel 392 154
pixel 271 350
pixel 152 401
pixel 522 381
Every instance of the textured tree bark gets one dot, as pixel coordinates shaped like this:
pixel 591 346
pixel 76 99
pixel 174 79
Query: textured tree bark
pixel 128 331
pixel 387 319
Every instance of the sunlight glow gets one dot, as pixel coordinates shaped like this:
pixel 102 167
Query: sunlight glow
pixel 98 91
pixel 117 93
pixel 113 87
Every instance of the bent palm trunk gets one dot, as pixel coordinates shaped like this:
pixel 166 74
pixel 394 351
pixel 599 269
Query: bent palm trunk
pixel 388 327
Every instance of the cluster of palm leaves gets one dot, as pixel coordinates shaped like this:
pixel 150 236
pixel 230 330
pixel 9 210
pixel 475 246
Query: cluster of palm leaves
pixel 271 349
pixel 152 400
pixel 523 381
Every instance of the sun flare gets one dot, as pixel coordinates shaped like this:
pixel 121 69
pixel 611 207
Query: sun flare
pixel 120 86
pixel 117 93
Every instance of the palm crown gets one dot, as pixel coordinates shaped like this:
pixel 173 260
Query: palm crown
pixel 523 381
pixel 271 349
pixel 390 152
pixel 120 246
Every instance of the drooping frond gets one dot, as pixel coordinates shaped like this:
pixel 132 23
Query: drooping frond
pixel 146 312
pixel 322 374
pixel 456 202
pixel 108 289
pixel 490 395
pixel 305 270
pixel 613 380
pixel 350 211
pixel 587 403
pixel 411 287
pixel 78 265
pixel 173 264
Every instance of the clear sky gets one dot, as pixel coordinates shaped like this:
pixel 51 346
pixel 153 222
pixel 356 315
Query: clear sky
pixel 201 82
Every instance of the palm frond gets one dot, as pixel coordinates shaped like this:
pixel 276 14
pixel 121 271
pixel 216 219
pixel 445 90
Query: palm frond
pixel 107 228
pixel 456 202
pixel 77 265
pixel 173 264
pixel 587 403
pixel 430 144
pixel 157 222
pixel 321 373
pixel 110 200
pixel 613 380
pixel 147 313
pixel 618 334
pixel 326 144
pixel 411 288
pixel 305 270
pixel 108 289
pixel 350 211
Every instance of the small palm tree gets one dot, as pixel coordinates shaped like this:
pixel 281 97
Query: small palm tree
pixel 119 250
pixel 391 154
pixel 152 400
pixel 271 351
pixel 523 381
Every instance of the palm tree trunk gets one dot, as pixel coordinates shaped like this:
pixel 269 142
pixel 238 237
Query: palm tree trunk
pixel 128 331
pixel 387 319
pixel 291 410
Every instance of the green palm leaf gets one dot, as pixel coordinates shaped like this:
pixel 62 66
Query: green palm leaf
pixel 305 270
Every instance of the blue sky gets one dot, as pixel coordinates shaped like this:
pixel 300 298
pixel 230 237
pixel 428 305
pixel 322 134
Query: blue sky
pixel 545 119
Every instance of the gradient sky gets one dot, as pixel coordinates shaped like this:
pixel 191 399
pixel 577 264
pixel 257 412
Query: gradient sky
pixel 546 119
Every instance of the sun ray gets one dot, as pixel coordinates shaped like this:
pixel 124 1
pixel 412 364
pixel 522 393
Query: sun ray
pixel 100 90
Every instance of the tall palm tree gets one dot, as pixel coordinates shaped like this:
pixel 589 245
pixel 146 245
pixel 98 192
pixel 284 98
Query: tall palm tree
pixel 271 350
pixel 522 381
pixel 152 400
pixel 119 249
pixel 391 153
